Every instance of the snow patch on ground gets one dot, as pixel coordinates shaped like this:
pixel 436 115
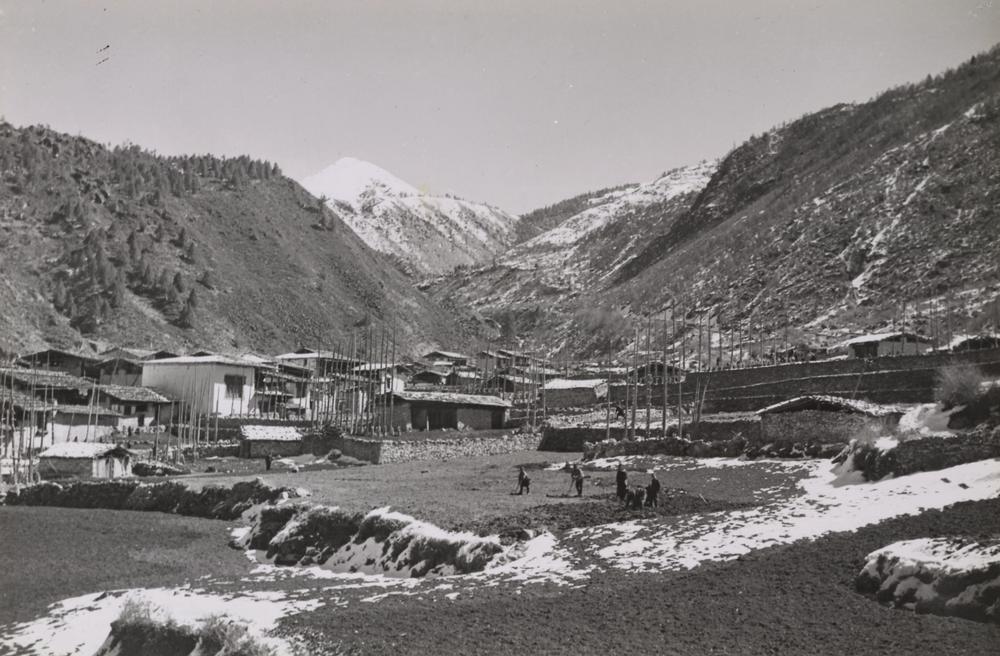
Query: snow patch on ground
pixel 822 508
pixel 80 625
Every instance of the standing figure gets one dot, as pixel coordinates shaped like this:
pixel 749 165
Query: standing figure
pixel 652 490
pixel 267 461
pixel 621 481
pixel 577 479
pixel 523 482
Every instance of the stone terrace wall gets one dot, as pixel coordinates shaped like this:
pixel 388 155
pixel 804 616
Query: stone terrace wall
pixel 386 451
pixel 934 453
pixel 900 379
pixel 572 438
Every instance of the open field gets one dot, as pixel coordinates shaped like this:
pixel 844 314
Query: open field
pixel 49 554
pixel 738 559
pixel 462 492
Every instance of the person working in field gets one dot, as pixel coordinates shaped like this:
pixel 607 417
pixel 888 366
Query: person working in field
pixel 621 482
pixel 576 477
pixel 652 490
pixel 523 482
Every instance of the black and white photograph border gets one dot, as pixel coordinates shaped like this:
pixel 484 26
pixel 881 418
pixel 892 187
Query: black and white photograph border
pixel 442 327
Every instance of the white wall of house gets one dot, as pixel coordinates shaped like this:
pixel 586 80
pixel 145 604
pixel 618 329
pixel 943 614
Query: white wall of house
pixel 205 387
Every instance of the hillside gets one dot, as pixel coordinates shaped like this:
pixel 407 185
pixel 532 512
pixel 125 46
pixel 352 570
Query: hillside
pixel 854 218
pixel 427 234
pixel 125 246
pixel 548 280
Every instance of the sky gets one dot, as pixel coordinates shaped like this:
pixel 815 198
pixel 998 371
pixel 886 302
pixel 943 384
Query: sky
pixel 518 103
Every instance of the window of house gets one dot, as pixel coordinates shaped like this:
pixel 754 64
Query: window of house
pixel 234 386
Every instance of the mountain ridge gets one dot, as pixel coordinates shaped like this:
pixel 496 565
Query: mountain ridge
pixel 427 234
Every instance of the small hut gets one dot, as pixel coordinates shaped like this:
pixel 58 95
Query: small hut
pixel 256 441
pixel 567 393
pixel 85 460
pixel 825 419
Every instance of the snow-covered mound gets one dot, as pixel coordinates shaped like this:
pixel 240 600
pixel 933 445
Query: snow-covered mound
pixel 926 420
pixel 81 625
pixel 381 542
pixel 433 234
pixel 943 576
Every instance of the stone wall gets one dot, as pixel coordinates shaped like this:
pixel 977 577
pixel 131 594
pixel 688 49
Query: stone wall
pixel 572 438
pixel 899 379
pixel 934 453
pixel 386 451
pixel 818 426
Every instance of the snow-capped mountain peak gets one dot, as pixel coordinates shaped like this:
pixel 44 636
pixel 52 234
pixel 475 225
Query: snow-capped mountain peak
pixel 349 179
pixel 430 234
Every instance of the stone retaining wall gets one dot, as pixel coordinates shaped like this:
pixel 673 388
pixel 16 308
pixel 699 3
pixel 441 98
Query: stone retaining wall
pixel 897 379
pixel 572 438
pixel 385 451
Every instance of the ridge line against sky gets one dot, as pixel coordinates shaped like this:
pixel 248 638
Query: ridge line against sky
pixel 518 104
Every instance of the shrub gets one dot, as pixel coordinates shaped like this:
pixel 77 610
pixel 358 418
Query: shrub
pixel 958 386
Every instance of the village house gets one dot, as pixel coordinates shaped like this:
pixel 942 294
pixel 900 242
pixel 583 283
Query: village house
pixel 419 410
pixel 510 384
pixel 654 372
pixel 323 364
pixel 205 384
pixel 53 386
pixel 117 371
pixel 139 407
pixel 446 358
pixel 429 377
pixel 826 420
pixel 568 393
pixel 138 354
pixel 465 379
pixel 74 364
pixel 880 345
pixel 85 460
pixel 82 423
pixel 277 441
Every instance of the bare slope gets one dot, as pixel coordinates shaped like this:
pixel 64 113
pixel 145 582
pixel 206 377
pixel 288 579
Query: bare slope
pixel 126 246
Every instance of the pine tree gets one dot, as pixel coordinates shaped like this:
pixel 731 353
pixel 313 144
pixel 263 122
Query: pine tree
pixel 59 296
pixel 192 299
pixel 186 317
pixel 118 292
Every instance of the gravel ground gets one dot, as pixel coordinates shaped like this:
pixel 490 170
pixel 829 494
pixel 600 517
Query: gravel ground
pixel 796 599
pixel 49 554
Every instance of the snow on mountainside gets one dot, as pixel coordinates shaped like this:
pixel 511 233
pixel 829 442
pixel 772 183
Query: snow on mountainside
pixel 582 255
pixel 856 218
pixel 428 234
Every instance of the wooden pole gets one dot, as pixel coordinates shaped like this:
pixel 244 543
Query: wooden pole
pixel 635 374
pixel 649 389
